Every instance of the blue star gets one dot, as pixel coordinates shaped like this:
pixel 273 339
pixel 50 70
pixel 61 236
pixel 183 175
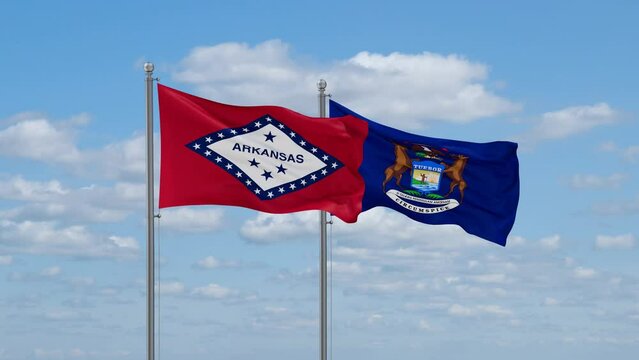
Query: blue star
pixel 269 137
pixel 254 162
pixel 281 169
pixel 267 175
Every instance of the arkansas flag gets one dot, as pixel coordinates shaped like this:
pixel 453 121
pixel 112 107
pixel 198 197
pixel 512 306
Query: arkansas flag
pixel 266 158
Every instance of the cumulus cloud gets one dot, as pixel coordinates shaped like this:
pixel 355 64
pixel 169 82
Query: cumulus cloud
pixel 50 200
pixel 477 310
pixel 625 241
pixel 581 181
pixel 581 272
pixel 171 288
pixel 51 271
pixel 44 237
pixel 416 88
pixel 550 242
pixel 271 228
pixel 192 220
pixel 213 291
pixel 211 262
pixel 35 137
pixel 626 206
pixel 569 121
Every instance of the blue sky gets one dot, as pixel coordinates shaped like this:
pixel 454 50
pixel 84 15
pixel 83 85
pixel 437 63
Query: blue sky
pixel 557 77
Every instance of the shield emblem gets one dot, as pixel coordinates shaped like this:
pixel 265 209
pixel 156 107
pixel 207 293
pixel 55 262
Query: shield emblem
pixel 426 176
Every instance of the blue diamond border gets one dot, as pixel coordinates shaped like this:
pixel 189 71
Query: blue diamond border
pixel 200 144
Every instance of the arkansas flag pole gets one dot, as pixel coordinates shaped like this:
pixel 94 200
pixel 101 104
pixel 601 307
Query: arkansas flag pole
pixel 321 86
pixel 150 241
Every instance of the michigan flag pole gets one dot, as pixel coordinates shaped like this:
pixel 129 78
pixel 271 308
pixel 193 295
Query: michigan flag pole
pixel 150 252
pixel 321 86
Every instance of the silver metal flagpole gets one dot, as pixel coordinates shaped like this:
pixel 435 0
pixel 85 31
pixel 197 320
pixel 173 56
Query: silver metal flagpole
pixel 321 86
pixel 150 255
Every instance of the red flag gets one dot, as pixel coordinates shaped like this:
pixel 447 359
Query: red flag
pixel 266 158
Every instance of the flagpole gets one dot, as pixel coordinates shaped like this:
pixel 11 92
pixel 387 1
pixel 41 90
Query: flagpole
pixel 150 255
pixel 321 86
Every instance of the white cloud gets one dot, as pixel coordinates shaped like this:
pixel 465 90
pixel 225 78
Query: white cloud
pixel 550 301
pixel 417 87
pixel 584 273
pixel 6 259
pixel 477 310
pixel 213 291
pixel 424 325
pixel 625 206
pixel 625 241
pixel 459 310
pixel 46 238
pixel 171 288
pixel 17 188
pixel 33 136
pixel 490 278
pixel 270 228
pixel 550 242
pixel 193 220
pixel 631 153
pixel 581 181
pixel 51 201
pixel 570 121
pixel 211 262
pixel 208 262
pixel 51 271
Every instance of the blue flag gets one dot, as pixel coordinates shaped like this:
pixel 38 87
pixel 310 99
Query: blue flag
pixel 439 181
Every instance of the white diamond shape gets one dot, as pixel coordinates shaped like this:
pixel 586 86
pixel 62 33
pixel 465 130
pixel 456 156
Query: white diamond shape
pixel 282 151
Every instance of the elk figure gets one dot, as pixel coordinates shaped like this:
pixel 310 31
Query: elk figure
pixel 455 172
pixel 397 169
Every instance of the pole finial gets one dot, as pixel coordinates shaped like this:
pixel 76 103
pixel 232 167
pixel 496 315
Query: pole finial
pixel 321 85
pixel 149 67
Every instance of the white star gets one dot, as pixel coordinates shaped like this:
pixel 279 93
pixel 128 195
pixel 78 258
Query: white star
pixel 258 191
pixel 218 159
pixel 314 150
pixel 207 153
pixel 292 186
pixel 245 129
pixel 292 134
pixel 196 146
pixel 233 132
pixel 281 190
pixel 324 157
pixel 303 182
pixel 302 142
pixel 238 174
pixel 270 194
pixel 334 165
pixel 208 139
pixel 248 182
pixel 280 126
pixel 229 166
pixel 220 135
pixel 324 172
pixel 268 119
pixel 258 124
pixel 313 177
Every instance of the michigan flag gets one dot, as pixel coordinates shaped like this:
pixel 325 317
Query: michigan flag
pixel 439 181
